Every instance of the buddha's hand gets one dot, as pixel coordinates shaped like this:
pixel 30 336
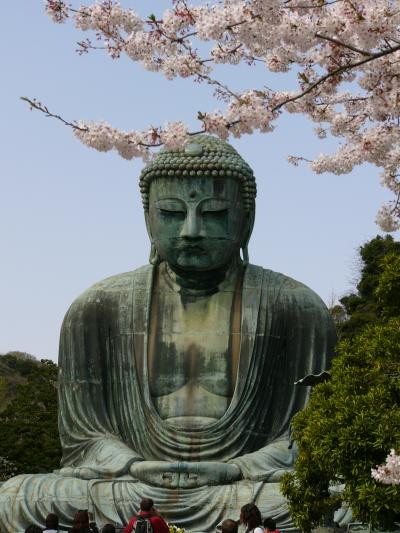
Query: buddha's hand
pixel 81 473
pixel 86 472
pixel 185 475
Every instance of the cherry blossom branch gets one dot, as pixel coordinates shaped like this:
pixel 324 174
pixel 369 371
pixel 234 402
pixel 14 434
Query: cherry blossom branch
pixel 336 72
pixel 35 104
pixel 345 45
pixel 319 5
pixel 154 133
pixel 221 86
pixel 315 37
pixel 396 205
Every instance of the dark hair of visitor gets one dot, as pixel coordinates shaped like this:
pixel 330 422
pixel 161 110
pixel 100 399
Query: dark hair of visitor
pixel 270 524
pixel 33 529
pixel 250 516
pixel 81 522
pixel 108 528
pixel 51 521
pixel 229 526
pixel 146 504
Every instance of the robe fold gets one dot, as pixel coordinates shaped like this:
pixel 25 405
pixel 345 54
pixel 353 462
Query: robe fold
pixel 107 418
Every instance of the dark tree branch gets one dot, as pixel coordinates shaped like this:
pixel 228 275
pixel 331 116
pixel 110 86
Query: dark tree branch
pixel 345 45
pixel 34 104
pixel 336 72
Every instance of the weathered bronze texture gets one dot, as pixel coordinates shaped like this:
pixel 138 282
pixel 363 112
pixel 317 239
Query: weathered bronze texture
pixel 177 379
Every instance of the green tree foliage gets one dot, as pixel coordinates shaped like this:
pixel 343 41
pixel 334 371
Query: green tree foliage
pixel 387 292
pixel 364 307
pixel 348 427
pixel 3 391
pixel 29 435
pixel 353 420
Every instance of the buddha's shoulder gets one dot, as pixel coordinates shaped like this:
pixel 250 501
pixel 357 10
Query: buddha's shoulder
pixel 125 280
pixel 282 288
pixel 114 286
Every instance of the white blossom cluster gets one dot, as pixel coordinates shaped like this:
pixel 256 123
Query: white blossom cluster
pixel 57 10
pixel 388 473
pixel 103 137
pixel 332 45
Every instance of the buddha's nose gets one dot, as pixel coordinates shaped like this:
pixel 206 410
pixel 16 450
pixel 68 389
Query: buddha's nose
pixel 192 226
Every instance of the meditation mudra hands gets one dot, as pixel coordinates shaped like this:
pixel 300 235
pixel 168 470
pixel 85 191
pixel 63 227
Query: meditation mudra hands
pixel 185 475
pixel 166 474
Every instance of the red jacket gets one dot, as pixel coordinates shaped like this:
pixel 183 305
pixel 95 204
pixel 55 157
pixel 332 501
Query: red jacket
pixel 158 524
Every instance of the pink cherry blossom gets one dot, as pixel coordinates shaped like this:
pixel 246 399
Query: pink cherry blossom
pixel 388 473
pixel 346 55
pixel 174 135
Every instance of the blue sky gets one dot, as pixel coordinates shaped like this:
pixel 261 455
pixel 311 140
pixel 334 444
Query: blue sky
pixel 71 216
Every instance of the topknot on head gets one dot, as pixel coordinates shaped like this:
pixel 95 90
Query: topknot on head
pixel 204 156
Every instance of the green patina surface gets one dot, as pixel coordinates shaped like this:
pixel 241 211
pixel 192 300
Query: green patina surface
pixel 177 379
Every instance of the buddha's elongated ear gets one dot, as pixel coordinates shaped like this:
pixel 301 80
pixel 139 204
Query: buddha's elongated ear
pixel 154 258
pixel 248 230
pixel 147 222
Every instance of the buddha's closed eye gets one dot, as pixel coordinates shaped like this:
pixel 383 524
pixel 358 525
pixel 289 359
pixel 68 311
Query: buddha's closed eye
pixel 171 212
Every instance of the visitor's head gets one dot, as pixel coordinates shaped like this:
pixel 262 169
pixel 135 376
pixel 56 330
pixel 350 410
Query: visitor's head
pixel 269 525
pixel 229 526
pixel 199 203
pixel 250 516
pixel 146 505
pixel 51 521
pixel 108 528
pixel 33 529
pixel 81 520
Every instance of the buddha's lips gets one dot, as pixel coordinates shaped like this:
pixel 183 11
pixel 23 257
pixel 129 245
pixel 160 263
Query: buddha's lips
pixel 191 248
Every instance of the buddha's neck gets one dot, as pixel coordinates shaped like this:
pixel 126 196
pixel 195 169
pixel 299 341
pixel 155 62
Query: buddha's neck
pixel 203 282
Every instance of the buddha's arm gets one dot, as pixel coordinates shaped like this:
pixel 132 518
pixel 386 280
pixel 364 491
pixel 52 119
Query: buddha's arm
pixel 91 446
pixel 267 464
pixel 303 321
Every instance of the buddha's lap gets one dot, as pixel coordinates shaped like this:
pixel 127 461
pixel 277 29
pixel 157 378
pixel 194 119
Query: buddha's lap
pixel 29 498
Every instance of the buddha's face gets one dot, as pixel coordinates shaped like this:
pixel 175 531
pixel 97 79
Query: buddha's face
pixel 196 223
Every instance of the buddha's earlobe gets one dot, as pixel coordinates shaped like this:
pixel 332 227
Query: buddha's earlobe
pixel 245 255
pixel 154 258
pixel 246 238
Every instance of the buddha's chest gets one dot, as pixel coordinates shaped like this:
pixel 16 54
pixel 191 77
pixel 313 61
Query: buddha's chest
pixel 191 361
pixel 185 356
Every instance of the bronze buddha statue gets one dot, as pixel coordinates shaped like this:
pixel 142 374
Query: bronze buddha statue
pixel 177 379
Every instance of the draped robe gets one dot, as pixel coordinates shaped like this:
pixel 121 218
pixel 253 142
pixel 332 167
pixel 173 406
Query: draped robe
pixel 107 418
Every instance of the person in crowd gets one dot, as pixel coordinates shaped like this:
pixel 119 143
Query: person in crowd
pixel 81 523
pixel 51 523
pixel 108 528
pixel 33 529
pixel 229 526
pixel 147 516
pixel 250 516
pixel 270 526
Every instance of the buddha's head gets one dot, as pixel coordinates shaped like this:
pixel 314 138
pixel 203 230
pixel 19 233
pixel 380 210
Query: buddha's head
pixel 199 204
